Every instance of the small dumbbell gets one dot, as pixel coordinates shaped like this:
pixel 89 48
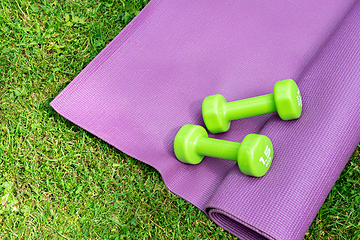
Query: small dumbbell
pixel 254 154
pixel 286 100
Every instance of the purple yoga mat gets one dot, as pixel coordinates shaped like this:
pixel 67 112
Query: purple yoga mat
pixel 151 79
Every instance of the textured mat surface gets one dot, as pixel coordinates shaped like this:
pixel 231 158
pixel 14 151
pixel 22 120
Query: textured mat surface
pixel 151 79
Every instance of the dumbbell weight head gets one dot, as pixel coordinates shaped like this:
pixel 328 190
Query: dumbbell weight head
pixel 254 156
pixel 214 113
pixel 287 99
pixel 185 143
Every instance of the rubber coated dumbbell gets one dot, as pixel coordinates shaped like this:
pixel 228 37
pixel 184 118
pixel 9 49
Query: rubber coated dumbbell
pixel 286 100
pixel 254 154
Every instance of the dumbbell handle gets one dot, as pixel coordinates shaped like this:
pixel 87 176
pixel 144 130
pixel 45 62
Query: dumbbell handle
pixel 217 148
pixel 250 107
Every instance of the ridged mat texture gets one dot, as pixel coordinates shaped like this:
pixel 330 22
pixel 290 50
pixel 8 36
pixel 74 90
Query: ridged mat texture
pixel 151 80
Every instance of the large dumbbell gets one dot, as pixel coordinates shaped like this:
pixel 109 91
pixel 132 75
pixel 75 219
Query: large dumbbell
pixel 286 100
pixel 254 154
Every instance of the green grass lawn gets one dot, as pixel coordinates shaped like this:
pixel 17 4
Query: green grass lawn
pixel 57 181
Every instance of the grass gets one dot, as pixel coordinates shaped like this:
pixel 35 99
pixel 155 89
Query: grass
pixel 58 181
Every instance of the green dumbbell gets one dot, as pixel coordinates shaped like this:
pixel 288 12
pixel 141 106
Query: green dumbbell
pixel 286 100
pixel 254 154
